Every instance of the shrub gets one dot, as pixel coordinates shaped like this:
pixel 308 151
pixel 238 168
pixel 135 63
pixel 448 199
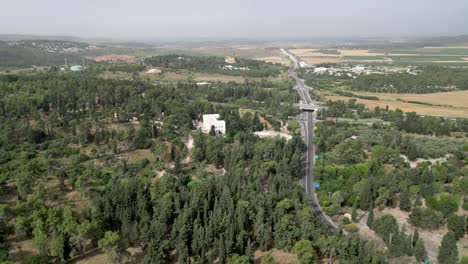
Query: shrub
pixel 426 218
pixel 351 228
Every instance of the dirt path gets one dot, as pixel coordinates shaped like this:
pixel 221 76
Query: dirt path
pixel 414 163
pixel 369 234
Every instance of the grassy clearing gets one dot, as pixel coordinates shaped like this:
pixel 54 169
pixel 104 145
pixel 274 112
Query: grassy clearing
pixel 20 250
pixel 139 155
pixel 281 257
pixel 209 77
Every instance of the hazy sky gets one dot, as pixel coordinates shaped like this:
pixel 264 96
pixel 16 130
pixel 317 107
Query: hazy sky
pixel 253 19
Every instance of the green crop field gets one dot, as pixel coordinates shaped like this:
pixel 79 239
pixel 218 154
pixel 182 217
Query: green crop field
pixel 364 58
pixel 426 58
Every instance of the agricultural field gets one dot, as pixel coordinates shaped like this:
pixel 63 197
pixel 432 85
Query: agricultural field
pixel 450 56
pixel 452 104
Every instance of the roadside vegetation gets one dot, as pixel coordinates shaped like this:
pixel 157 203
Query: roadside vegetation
pixel 367 167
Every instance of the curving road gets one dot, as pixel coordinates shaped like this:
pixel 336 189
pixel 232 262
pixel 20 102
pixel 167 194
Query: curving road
pixel 307 122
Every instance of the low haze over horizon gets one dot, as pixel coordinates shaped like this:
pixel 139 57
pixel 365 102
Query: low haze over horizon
pixel 208 19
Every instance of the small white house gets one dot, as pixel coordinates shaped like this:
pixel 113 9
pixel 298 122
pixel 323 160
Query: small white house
pixel 76 68
pixel 213 120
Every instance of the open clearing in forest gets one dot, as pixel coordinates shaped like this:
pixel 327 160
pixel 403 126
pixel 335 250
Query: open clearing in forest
pixel 114 57
pixel 281 257
pixel 451 104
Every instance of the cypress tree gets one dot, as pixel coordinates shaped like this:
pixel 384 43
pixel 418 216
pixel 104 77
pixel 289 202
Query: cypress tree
pixel 257 125
pixel 354 215
pixel 419 251
pixel 370 218
pixel 448 251
pixel 405 201
pixel 415 237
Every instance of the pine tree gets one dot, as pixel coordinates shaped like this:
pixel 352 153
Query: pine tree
pixel 448 251
pixel 419 251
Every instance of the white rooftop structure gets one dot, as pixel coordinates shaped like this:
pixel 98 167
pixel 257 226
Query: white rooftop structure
pixel 303 64
pixel 76 68
pixel 212 120
pixel 320 70
pixel 202 83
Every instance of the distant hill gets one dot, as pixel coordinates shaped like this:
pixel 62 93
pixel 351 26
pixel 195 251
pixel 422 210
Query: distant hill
pixel 128 44
pixel 444 41
pixel 19 37
pixel 27 53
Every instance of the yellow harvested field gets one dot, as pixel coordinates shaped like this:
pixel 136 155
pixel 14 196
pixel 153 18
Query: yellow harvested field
pixel 392 103
pixel 114 57
pixel 359 52
pixel 274 59
pixel 313 56
pixel 217 77
pixel 317 60
pixel 455 99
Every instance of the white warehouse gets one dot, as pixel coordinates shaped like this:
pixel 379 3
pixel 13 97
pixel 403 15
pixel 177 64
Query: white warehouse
pixel 213 120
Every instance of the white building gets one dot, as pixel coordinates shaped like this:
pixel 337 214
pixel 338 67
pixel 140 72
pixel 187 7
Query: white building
pixel 320 70
pixel 213 120
pixel 303 64
pixel 203 83
pixel 358 69
pixel 76 68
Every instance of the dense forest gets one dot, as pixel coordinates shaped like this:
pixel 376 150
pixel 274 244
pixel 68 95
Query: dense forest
pixel 240 67
pixel 91 164
pixel 70 133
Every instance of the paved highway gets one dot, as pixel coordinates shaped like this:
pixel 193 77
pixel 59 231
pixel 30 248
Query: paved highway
pixel 307 122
